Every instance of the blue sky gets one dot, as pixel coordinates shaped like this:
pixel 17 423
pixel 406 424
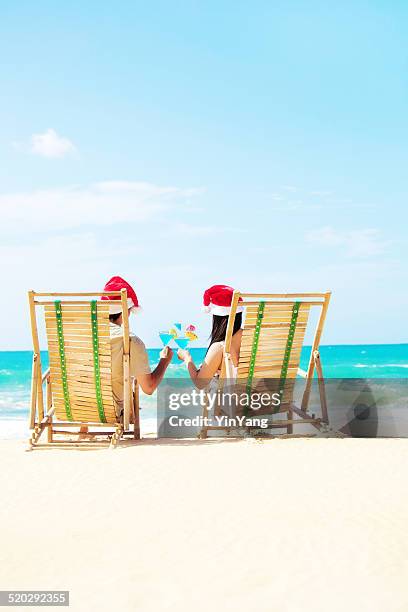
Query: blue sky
pixel 191 143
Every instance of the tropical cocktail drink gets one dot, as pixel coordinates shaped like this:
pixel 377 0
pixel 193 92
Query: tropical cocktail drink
pixel 182 342
pixel 165 337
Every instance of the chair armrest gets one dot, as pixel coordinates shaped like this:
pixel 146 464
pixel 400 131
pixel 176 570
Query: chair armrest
pixel 45 375
pixel 302 373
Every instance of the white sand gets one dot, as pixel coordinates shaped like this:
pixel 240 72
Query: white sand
pixel 285 525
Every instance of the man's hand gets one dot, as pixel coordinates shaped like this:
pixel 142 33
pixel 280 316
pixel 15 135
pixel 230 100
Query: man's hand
pixel 166 353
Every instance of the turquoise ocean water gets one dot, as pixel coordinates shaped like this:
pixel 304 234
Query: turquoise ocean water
pixel 339 361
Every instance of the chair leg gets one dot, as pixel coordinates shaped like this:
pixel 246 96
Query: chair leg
pixel 289 427
pixel 136 414
pixel 35 436
pixel 116 437
pixel 203 431
pixel 322 387
pixel 48 396
pixel 37 432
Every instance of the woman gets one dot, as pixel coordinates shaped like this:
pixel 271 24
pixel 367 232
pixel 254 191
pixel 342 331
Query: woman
pixel 217 301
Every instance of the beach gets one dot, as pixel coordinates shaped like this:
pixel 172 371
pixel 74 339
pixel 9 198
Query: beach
pixel 204 273
pixel 286 525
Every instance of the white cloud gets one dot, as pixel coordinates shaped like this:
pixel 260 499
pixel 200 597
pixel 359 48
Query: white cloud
pixel 356 243
pixel 79 262
pixel 75 260
pixel 296 205
pixel 168 287
pixel 366 243
pixel 142 188
pixel 321 193
pixel 49 144
pixel 190 229
pixel 99 204
pixel 325 236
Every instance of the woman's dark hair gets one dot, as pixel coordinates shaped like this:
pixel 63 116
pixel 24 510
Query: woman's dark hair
pixel 113 318
pixel 219 327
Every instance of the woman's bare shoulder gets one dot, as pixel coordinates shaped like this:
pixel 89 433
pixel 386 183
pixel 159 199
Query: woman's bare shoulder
pixel 214 353
pixel 215 348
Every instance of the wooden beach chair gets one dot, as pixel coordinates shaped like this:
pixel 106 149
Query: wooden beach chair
pixel 274 327
pixel 78 383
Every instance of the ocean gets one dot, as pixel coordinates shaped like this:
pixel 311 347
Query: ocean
pixel 339 361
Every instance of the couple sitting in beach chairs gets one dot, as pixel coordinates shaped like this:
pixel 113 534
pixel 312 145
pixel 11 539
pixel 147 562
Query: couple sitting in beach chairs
pixel 217 300
pixel 97 365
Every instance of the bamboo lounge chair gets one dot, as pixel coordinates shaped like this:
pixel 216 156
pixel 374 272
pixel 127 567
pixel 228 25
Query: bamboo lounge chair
pixel 273 334
pixel 78 381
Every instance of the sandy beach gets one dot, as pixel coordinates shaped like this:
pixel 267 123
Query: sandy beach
pixel 285 525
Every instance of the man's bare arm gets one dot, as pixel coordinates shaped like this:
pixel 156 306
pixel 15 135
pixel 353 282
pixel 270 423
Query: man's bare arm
pixel 150 382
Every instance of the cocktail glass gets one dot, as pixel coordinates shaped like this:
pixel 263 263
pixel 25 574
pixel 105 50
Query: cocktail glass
pixel 165 337
pixel 182 342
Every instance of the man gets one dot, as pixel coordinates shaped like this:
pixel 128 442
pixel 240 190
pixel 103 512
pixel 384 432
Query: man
pixel 139 360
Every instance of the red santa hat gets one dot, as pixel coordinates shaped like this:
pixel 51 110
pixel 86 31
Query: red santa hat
pixel 116 283
pixel 217 300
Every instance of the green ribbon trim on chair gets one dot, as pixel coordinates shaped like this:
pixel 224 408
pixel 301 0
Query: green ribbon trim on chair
pixel 288 349
pixel 63 363
pixel 95 350
pixel 254 350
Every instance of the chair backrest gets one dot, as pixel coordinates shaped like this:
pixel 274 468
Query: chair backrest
pixel 274 327
pixel 79 350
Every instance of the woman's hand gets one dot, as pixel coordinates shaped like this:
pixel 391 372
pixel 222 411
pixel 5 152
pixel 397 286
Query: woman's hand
pixel 184 355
